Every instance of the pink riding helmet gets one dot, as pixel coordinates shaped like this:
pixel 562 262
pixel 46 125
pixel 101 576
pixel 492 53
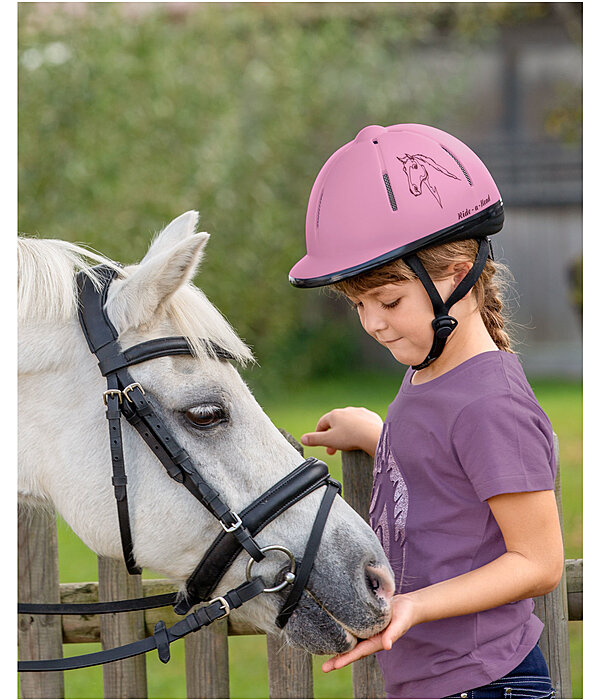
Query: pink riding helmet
pixel 387 194
pixel 391 191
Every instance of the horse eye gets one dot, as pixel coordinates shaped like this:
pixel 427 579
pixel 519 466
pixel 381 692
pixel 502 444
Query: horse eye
pixel 206 416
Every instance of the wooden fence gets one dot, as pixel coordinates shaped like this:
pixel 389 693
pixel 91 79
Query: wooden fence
pixel 206 651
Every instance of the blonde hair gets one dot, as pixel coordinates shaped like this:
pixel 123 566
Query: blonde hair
pixel 490 289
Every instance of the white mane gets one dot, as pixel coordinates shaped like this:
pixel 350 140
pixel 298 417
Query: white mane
pixel 47 290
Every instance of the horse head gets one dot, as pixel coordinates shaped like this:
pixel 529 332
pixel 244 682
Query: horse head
pixel 415 172
pixel 64 456
pixel 416 169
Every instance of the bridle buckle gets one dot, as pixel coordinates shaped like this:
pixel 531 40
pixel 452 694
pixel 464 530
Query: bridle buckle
pixel 112 392
pixel 224 606
pixel 236 524
pixel 131 387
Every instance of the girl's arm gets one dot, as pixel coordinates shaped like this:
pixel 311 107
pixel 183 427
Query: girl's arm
pixel 531 566
pixel 348 428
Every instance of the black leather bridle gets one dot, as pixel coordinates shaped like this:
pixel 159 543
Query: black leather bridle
pixel 126 397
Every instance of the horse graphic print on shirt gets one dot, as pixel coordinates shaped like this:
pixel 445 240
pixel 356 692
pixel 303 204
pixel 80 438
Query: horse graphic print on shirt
pixel 389 506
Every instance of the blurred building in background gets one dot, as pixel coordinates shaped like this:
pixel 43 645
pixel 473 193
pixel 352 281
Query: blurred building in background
pixel 540 179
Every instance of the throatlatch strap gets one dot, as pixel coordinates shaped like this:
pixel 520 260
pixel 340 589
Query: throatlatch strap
pixel 443 324
pixel 101 337
pixel 310 553
pixel 162 637
pixel 119 478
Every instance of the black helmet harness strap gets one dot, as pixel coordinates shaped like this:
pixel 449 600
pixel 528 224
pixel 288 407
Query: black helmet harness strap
pixel 443 324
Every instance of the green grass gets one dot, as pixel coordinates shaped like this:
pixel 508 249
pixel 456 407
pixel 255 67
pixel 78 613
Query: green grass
pixel 297 409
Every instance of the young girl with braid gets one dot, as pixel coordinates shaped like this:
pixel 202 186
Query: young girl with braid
pixel 463 494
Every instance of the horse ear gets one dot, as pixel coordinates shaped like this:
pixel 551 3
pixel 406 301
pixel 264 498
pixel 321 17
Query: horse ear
pixel 178 230
pixel 134 300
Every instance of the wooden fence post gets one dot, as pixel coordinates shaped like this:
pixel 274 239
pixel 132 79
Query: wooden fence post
pixel 40 636
pixel 357 471
pixel 552 609
pixel 574 571
pixel 126 678
pixel 207 662
pixel 290 670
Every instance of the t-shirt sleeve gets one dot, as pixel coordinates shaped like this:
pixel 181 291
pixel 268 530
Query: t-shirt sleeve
pixel 505 444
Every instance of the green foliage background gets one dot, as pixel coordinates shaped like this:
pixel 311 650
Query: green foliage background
pixel 130 116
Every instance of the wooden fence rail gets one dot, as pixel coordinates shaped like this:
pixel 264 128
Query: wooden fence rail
pixel 206 651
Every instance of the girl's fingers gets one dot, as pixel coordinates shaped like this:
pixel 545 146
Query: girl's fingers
pixel 387 640
pixel 319 437
pixel 319 440
pixel 324 422
pixel 364 648
pixel 313 439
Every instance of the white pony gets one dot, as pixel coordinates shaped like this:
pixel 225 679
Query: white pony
pixel 64 457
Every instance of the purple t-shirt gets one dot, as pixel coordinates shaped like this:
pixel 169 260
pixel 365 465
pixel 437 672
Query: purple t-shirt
pixel 446 446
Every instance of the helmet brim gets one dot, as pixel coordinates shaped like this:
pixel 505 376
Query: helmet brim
pixel 480 225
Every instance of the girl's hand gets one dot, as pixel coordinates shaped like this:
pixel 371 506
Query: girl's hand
pixel 346 429
pixel 403 618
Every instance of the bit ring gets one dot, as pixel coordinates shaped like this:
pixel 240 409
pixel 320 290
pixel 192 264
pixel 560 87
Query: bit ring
pixel 288 578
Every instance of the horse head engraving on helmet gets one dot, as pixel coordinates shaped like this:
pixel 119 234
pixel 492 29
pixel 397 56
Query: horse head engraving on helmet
pixel 417 168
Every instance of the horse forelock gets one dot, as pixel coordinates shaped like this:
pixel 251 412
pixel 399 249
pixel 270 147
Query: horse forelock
pixel 47 291
pixel 47 288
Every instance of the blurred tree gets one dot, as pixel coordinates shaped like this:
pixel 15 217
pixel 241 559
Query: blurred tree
pixel 565 120
pixel 132 113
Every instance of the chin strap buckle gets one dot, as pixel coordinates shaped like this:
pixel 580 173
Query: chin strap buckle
pixel 443 326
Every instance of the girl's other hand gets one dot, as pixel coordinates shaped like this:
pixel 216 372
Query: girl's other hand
pixel 347 428
pixel 403 618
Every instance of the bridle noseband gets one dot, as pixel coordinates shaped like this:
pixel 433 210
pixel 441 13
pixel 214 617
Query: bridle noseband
pixel 125 397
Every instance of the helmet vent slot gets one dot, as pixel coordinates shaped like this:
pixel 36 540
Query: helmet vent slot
pixel 460 165
pixel 319 207
pixel 390 192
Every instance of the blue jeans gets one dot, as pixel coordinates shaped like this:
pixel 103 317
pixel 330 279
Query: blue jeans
pixel 530 679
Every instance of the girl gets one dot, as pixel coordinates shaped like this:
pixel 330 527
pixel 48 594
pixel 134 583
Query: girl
pixel 463 500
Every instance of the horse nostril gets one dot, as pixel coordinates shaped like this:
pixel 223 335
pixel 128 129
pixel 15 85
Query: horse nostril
pixel 372 582
pixel 379 582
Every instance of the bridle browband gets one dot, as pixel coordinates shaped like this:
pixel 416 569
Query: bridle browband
pixel 126 397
